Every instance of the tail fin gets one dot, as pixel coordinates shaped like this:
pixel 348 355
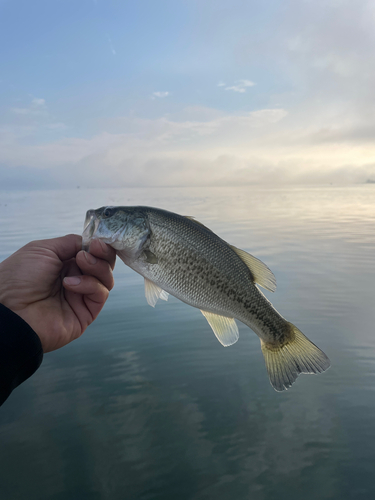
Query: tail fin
pixel 296 355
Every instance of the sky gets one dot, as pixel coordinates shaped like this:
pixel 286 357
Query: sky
pixel 105 93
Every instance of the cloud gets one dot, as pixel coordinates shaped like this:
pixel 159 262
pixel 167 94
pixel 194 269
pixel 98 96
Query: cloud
pixel 111 46
pixel 160 95
pixel 316 121
pixel 56 126
pixel 240 86
pixel 329 52
pixel 21 111
pixel 207 147
pixel 37 103
pixel 29 122
pixel 36 107
pixel 204 131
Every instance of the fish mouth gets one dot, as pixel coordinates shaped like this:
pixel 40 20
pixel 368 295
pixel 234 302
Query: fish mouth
pixel 89 229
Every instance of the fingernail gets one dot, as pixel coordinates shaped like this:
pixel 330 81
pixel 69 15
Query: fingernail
pixel 90 258
pixel 72 280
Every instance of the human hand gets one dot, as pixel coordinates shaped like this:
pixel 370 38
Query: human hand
pixel 56 288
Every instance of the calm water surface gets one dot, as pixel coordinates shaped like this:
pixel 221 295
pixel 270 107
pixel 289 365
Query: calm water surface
pixel 148 405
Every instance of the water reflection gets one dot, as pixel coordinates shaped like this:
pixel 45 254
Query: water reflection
pixel 148 405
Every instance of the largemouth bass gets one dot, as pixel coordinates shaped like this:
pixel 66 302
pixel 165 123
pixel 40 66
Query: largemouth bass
pixel 178 255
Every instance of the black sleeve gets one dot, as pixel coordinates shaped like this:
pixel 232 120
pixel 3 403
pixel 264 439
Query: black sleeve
pixel 21 352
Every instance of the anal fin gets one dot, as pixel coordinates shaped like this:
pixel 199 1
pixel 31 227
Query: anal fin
pixel 224 328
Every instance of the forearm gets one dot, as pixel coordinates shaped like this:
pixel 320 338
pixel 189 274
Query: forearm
pixel 21 352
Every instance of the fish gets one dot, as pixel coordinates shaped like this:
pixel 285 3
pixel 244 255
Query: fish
pixel 179 255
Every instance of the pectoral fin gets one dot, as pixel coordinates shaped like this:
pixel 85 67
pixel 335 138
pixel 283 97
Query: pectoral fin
pixel 154 293
pixel 150 257
pixel 224 328
pixel 261 273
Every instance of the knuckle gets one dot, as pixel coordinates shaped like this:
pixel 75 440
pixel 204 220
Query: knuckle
pixel 111 283
pixel 105 293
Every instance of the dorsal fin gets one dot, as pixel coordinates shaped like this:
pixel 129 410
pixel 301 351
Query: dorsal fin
pixel 197 222
pixel 260 272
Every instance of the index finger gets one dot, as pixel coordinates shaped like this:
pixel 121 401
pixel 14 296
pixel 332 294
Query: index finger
pixel 103 251
pixel 65 247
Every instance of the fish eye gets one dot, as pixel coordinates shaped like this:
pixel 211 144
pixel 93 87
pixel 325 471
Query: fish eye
pixel 108 212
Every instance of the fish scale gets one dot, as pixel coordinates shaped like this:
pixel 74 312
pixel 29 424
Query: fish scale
pixel 225 285
pixel 180 256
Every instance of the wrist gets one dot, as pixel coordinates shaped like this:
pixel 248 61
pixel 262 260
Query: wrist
pixel 3 285
pixel 8 286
